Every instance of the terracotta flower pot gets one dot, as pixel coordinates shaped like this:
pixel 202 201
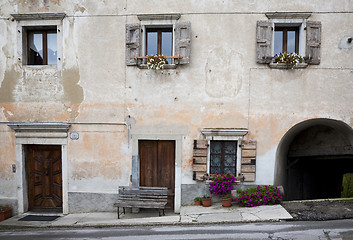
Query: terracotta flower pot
pixel 206 202
pixel 197 203
pixel 5 214
pixel 226 202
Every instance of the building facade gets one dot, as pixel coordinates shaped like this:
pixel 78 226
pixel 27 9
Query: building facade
pixel 81 113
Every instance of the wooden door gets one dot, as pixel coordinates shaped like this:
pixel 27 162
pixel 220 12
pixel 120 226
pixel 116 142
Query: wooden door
pixel 44 171
pixel 157 166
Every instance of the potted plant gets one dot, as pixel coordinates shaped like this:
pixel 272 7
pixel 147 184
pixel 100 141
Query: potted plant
pixel 222 185
pixel 197 201
pixel 227 200
pixel 206 201
pixel 156 62
pixel 5 212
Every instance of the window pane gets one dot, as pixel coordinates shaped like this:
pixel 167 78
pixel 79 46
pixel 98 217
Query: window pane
pixel 278 43
pixel 167 42
pixel 52 48
pixel 35 42
pixel 291 41
pixel 151 43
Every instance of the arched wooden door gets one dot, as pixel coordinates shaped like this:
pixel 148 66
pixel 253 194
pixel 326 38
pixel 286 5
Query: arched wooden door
pixel 44 169
pixel 157 166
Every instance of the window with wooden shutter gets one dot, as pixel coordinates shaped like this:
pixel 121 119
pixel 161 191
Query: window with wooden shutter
pixel 248 160
pixel 182 41
pixel 132 43
pixel 263 41
pixel 200 159
pixel 313 42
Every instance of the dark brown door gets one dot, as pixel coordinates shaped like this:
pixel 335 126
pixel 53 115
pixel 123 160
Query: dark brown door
pixel 157 166
pixel 44 177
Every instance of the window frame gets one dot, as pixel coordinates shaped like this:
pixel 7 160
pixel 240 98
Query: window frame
pixel 225 135
pixel 159 31
pixel 25 22
pixel 44 31
pixel 284 30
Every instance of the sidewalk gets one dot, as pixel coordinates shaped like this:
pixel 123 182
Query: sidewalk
pixel 188 215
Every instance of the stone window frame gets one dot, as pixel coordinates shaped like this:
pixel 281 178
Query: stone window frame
pixel 265 37
pixel 136 38
pixel 225 135
pixel 33 21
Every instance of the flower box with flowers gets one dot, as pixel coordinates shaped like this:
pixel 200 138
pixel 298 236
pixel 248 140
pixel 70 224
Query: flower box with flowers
pixel 288 61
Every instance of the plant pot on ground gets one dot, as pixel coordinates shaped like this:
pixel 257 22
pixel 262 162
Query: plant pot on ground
pixel 227 201
pixel 197 201
pixel 5 213
pixel 206 201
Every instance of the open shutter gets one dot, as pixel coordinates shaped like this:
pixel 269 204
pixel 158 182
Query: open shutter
pixel 248 160
pixel 263 41
pixel 132 43
pixel 200 159
pixel 313 42
pixel 182 41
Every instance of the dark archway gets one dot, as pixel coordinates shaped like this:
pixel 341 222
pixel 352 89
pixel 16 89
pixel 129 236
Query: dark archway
pixel 312 158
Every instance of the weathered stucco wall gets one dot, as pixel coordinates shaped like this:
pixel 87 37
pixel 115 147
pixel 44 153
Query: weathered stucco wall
pixel 222 87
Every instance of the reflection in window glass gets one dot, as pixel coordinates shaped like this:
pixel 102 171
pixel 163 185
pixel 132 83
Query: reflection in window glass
pixel 159 41
pixel 223 156
pixel 52 48
pixel 167 42
pixel 291 41
pixel 35 42
pixel 278 43
pixel 152 43
pixel 42 47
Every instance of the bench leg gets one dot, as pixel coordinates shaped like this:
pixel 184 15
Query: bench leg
pixel 121 213
pixel 159 212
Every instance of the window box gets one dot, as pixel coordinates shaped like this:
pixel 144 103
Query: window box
pixel 285 66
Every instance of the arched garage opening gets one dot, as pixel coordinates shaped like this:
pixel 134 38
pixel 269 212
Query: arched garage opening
pixel 312 157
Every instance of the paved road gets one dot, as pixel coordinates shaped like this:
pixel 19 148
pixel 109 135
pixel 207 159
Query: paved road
pixel 339 229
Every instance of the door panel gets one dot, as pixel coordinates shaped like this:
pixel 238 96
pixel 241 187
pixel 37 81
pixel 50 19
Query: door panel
pixel 44 168
pixel 157 161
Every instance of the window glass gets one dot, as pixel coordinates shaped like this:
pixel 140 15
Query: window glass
pixel 35 42
pixel 278 43
pixel 223 155
pixel 159 41
pixel 167 42
pixel 152 43
pixel 291 41
pixel 286 39
pixel 52 48
pixel 42 47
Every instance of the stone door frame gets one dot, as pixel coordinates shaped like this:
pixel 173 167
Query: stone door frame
pixel 39 134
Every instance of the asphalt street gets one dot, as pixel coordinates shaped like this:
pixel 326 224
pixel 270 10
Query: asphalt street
pixel 336 229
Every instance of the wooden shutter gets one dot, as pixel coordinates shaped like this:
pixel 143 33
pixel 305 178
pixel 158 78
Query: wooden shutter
pixel 263 41
pixel 313 42
pixel 200 159
pixel 248 160
pixel 182 41
pixel 133 32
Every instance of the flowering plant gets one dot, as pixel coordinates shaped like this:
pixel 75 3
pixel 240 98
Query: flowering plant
pixel 265 195
pixel 156 62
pixel 290 59
pixel 222 184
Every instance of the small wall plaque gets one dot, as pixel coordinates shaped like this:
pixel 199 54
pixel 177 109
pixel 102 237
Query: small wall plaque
pixel 74 136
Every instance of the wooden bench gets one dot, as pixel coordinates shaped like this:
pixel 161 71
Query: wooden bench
pixel 142 197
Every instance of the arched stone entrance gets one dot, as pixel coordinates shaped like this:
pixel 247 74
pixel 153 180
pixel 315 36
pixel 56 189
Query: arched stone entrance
pixel 312 157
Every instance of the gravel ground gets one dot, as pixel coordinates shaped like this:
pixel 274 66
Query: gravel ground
pixel 320 210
